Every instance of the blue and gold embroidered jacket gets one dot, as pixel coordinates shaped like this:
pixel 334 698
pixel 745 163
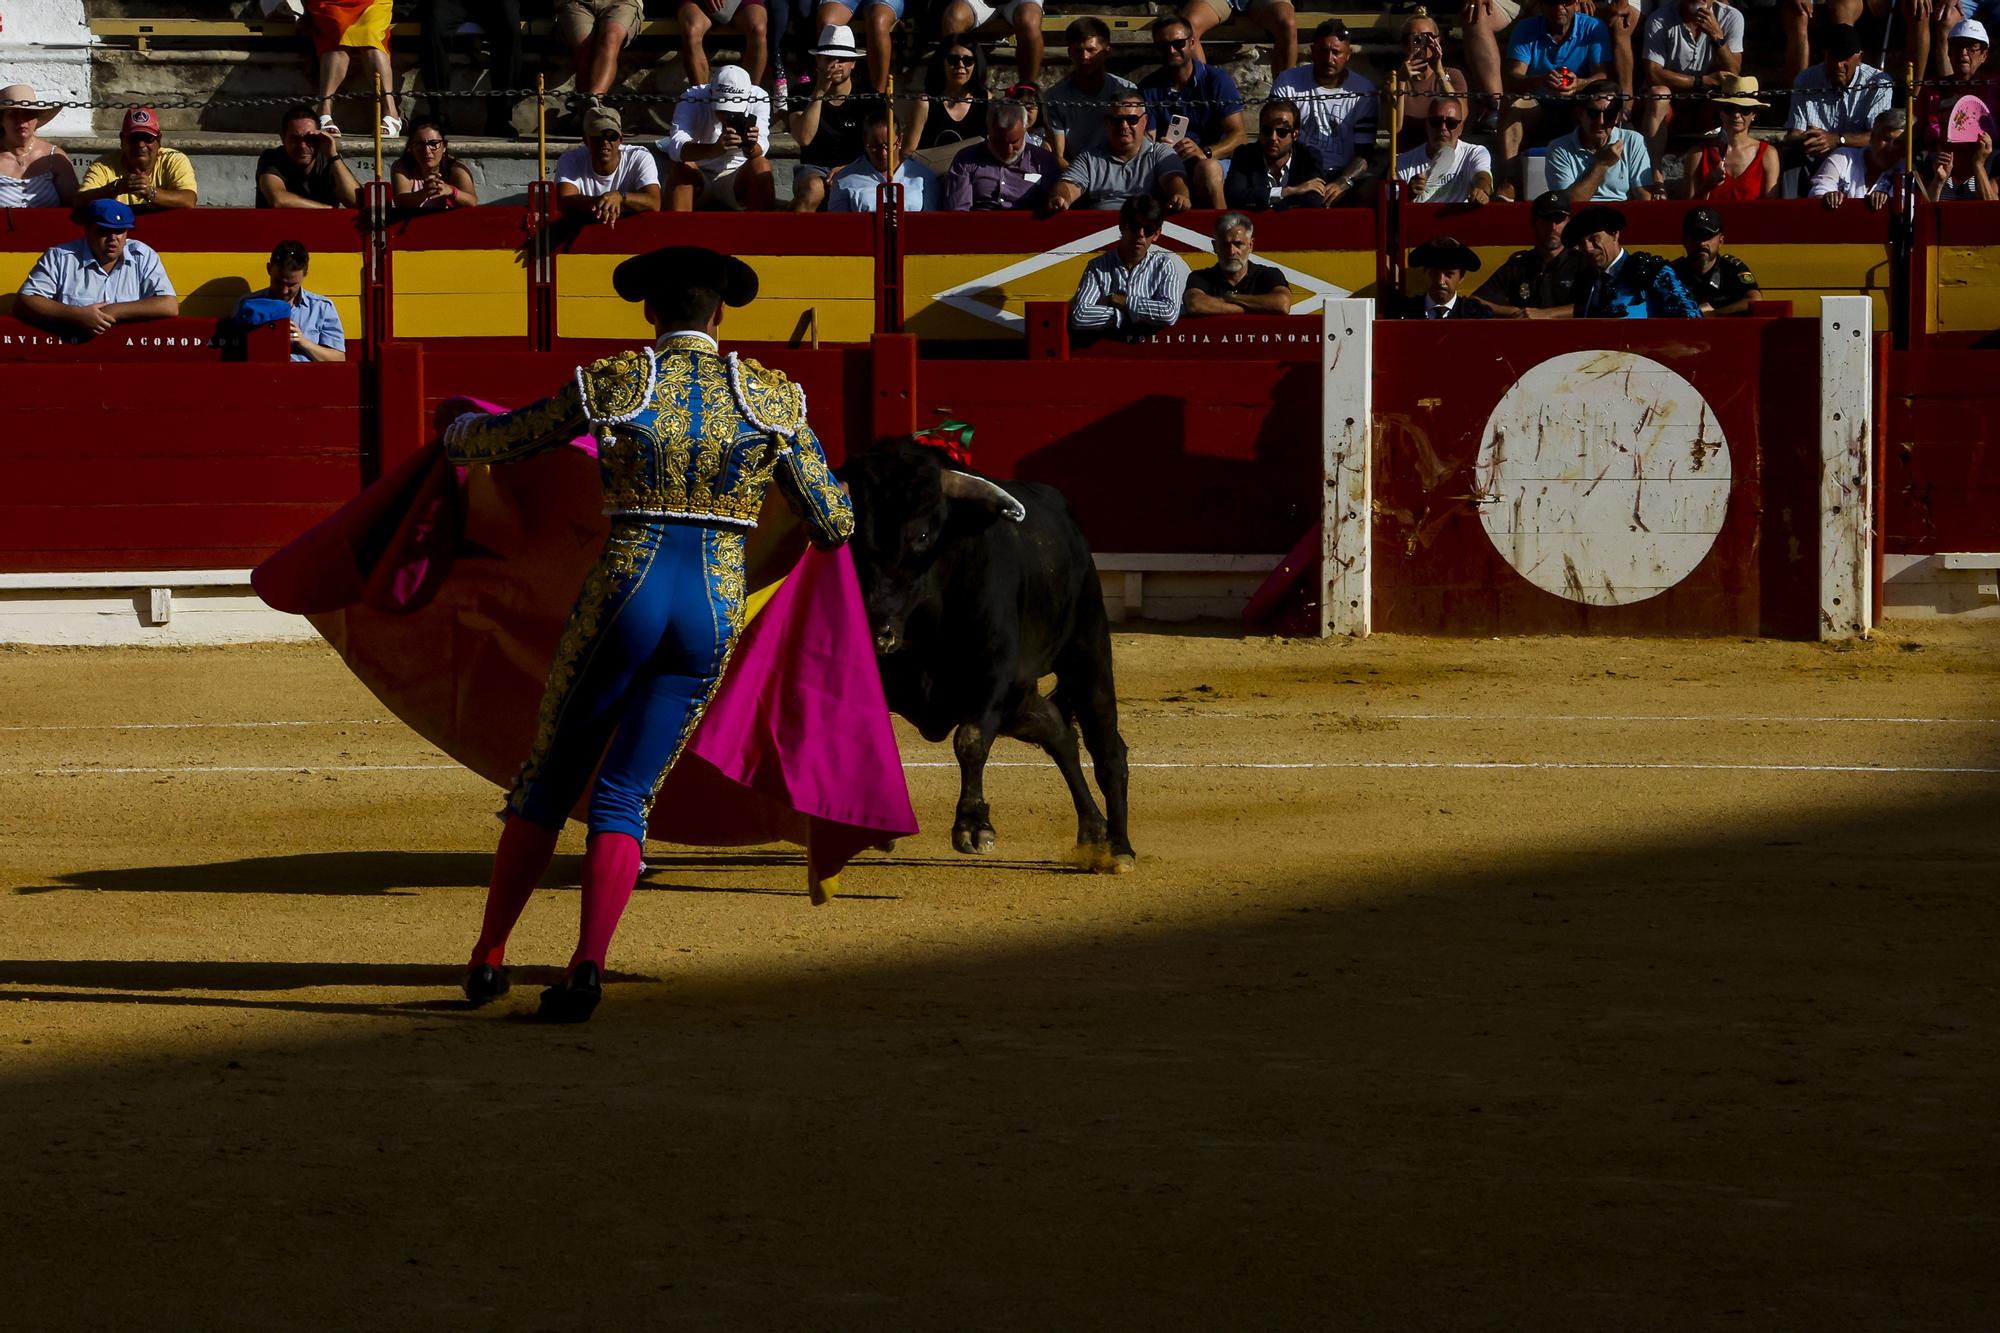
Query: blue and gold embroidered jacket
pixel 683 433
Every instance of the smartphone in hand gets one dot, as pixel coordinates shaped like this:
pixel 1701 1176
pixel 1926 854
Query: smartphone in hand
pixel 1176 131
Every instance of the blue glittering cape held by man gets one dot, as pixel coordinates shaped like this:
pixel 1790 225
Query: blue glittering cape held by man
pixel 688 441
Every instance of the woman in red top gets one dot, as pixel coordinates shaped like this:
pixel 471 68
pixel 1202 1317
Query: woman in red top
pixel 1739 166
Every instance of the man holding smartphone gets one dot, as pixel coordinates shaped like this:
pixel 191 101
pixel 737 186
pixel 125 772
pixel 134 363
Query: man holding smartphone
pixel 1195 109
pixel 717 146
pixel 1687 49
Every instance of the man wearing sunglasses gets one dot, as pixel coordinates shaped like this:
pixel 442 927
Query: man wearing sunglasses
pixel 1337 111
pixel 1547 58
pixel 1129 166
pixel 1601 161
pixel 604 178
pixel 1196 109
pixel 1136 287
pixel 143 174
pixel 1446 170
pixel 1628 284
pixel 1277 171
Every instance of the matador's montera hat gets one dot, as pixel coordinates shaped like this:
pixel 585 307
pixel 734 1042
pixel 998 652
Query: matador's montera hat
pixel 675 268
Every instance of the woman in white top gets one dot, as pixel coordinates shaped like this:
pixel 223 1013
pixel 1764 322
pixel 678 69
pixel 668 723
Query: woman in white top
pixel 1865 173
pixel 34 173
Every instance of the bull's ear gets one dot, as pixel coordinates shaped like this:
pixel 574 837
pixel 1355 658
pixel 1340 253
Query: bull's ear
pixel 979 491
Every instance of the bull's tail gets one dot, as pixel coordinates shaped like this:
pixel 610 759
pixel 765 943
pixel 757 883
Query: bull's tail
pixel 1087 694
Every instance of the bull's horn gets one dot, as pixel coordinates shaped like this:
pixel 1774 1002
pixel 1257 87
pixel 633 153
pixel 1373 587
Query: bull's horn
pixel 965 486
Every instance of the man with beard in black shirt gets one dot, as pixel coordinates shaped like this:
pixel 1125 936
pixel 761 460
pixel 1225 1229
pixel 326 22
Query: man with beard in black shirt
pixel 1720 284
pixel 1540 283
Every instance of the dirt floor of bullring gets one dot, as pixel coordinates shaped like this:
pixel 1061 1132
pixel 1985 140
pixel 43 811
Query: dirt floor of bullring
pixel 1529 984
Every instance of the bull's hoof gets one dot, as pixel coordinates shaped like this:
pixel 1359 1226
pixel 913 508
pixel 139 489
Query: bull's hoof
pixel 1122 863
pixel 972 841
pixel 888 846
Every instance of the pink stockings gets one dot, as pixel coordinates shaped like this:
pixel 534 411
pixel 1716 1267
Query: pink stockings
pixel 611 865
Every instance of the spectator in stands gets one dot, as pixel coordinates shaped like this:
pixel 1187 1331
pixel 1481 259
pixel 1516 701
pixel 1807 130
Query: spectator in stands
pixel 750 18
pixel 1196 109
pixel 427 178
pixel 1959 171
pixel 1277 17
pixel 1738 165
pixel 830 125
pixel 304 170
pixel 1136 287
pixel 718 146
pixel 1077 104
pixel 87 286
pixel 595 31
pixel 1865 173
pixel 1720 284
pixel 34 173
pixel 315 330
pixel 1277 171
pixel 1234 285
pixel 853 188
pixel 878 19
pixel 143 174
pixel 1006 171
pixel 964 18
pixel 1127 166
pixel 1336 110
pixel 953 107
pixel 1039 134
pixel 339 28
pixel 499 22
pixel 1447 260
pixel 1548 58
pixel 1540 283
pixel 1627 284
pixel 1446 170
pixel 1600 160
pixel 604 178
pixel 1835 103
pixel 1425 76
pixel 1689 48
pixel 1962 60
pixel 1481 25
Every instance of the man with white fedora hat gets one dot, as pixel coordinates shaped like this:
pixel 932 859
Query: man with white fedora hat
pixel 878 18
pixel 832 125
pixel 34 173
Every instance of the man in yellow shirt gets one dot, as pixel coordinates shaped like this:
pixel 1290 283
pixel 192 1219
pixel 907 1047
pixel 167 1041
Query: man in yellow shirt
pixel 143 173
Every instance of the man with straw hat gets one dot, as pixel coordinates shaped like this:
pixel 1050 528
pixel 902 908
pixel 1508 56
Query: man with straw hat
pixel 688 441
pixel 34 173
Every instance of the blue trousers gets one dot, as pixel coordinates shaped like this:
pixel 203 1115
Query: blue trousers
pixel 636 666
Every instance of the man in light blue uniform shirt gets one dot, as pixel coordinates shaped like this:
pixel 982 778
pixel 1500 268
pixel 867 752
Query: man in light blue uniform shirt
pixel 316 331
pixel 853 190
pixel 106 278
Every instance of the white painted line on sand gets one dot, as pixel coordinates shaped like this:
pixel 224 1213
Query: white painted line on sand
pixel 199 726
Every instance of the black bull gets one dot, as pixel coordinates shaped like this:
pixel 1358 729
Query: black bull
pixel 972 604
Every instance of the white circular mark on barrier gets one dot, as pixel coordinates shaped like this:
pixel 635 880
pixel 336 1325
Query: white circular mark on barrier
pixel 1603 477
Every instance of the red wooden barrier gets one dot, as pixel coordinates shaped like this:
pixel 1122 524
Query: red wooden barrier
pixel 146 342
pixel 1942 471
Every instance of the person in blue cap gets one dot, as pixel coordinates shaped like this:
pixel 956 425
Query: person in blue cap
pixel 86 286
pixel 688 442
pixel 1627 284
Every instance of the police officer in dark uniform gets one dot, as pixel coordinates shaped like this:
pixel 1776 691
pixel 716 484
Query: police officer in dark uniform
pixel 1629 284
pixel 1720 284
pixel 1544 278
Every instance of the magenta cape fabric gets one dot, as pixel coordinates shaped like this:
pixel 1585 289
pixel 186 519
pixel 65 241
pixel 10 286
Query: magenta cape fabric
pixel 446 598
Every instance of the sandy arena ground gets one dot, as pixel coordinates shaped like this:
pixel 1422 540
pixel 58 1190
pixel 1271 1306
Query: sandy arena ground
pixel 1462 985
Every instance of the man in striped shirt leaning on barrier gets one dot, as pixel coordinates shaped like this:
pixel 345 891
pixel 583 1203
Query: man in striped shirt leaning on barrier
pixel 1136 287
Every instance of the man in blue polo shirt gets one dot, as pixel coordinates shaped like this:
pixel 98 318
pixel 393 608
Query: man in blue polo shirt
pixel 106 278
pixel 1206 96
pixel 1549 57
pixel 316 332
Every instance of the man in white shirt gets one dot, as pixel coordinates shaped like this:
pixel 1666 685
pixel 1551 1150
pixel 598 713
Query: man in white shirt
pixel 717 146
pixel 1687 48
pixel 1865 173
pixel 1136 287
pixel 605 178
pixel 1447 170
pixel 1336 109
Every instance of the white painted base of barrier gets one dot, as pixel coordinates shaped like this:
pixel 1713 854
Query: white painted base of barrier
pixel 1927 587
pixel 170 608
pixel 1181 587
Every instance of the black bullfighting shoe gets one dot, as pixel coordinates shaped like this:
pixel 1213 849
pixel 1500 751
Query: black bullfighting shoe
pixel 572 999
pixel 486 982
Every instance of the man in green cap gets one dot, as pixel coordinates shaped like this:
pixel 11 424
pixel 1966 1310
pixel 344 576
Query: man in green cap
pixel 688 441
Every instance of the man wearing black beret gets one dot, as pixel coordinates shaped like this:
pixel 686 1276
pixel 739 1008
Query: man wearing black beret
pixel 1628 284
pixel 1448 262
pixel 688 440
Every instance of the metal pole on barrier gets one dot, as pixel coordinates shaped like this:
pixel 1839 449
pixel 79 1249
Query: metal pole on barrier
pixel 1395 117
pixel 378 125
pixel 541 127
pixel 1910 136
